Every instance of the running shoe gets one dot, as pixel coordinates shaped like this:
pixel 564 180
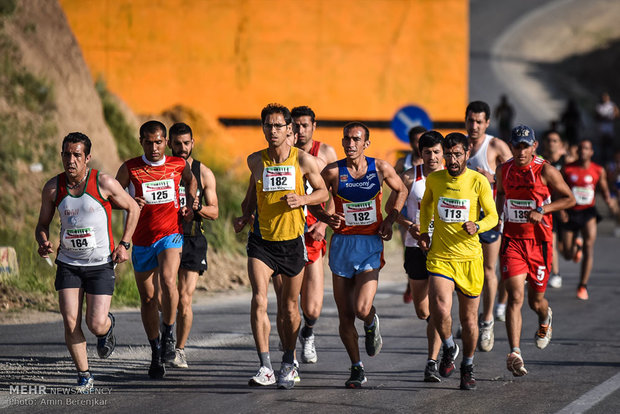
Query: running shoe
pixel 107 342
pixel 180 360
pixel 85 384
pixel 407 296
pixel 308 352
pixel 578 250
pixel 357 377
pixel 264 376
pixel 446 366
pixel 487 337
pixel 543 334
pixel 555 281
pixel 157 370
pixel 286 377
pixel 468 382
pixel 500 312
pixel 168 349
pixel 374 342
pixel 582 293
pixel 431 374
pixel 515 364
pixel 297 377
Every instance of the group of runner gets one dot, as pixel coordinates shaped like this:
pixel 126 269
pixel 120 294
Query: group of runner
pixel 297 187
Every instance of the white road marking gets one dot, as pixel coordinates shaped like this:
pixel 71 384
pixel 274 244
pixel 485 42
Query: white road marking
pixel 592 397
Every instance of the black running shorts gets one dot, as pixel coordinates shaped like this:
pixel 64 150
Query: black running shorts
pixel 284 257
pixel 95 280
pixel 578 218
pixel 194 256
pixel 415 263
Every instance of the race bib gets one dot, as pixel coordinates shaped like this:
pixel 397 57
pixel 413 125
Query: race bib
pixel 583 195
pixel 159 192
pixel 360 214
pixel 518 210
pixel 453 210
pixel 79 239
pixel 182 200
pixel 278 178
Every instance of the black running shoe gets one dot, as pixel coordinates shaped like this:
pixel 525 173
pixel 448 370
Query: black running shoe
pixel 431 374
pixel 168 352
pixel 157 370
pixel 107 342
pixel 373 340
pixel 446 366
pixel 468 382
pixel 357 377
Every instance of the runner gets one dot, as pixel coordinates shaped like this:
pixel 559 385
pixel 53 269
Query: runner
pixel 410 160
pixel 415 259
pixel 524 188
pixel 487 153
pixel 154 180
pixel 276 243
pixel 555 152
pixel 584 177
pixel 454 197
pixel 86 255
pixel 194 257
pixel 356 248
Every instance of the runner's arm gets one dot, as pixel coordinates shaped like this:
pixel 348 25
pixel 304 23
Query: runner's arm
pixel 500 196
pixel 563 196
pixel 312 173
pixel 485 197
pixel 604 188
pixel 209 211
pixel 46 214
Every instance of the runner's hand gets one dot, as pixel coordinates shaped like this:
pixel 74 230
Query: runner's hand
pixel 470 227
pixel 141 202
pixel 424 242
pixel 385 230
pixel 317 231
pixel 293 200
pixel 120 254
pixel 187 214
pixel 45 249
pixel 240 222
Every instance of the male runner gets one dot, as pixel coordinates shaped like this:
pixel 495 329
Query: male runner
pixel 154 180
pixel 453 199
pixel 356 248
pixel 194 256
pixel 486 153
pixel 276 242
pixel 415 259
pixel 304 125
pixel 584 177
pixel 524 188
pixel 554 151
pixel 86 255
pixel 410 160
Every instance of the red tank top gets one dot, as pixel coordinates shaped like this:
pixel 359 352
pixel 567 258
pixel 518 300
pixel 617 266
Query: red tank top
pixel 314 151
pixel 582 182
pixel 159 185
pixel 524 191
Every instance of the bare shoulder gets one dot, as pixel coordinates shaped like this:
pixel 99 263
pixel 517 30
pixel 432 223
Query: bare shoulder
pixel 254 158
pixel 407 176
pixel 499 144
pixel 327 153
pixel 50 186
pixel 383 165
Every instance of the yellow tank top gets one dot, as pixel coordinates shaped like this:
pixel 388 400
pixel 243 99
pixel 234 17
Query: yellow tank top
pixel 275 220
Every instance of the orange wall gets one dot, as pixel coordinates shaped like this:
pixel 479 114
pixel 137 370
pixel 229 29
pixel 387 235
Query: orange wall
pixel 347 59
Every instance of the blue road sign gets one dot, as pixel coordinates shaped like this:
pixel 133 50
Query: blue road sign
pixel 408 117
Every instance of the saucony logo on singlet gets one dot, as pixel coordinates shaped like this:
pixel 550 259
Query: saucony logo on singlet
pixel 365 185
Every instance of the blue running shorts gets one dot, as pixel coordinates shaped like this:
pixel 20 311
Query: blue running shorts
pixel 351 254
pixel 144 258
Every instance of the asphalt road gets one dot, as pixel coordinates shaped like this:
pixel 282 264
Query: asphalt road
pixel 583 354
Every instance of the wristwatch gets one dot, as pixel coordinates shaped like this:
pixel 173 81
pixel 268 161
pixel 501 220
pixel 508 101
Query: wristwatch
pixel 477 227
pixel 125 244
pixel 540 210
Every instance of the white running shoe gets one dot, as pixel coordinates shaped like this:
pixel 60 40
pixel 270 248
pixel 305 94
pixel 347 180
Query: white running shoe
pixel 515 364
pixel 180 360
pixel 555 281
pixel 487 337
pixel 264 376
pixel 296 364
pixel 543 334
pixel 308 352
pixel 500 312
pixel 286 377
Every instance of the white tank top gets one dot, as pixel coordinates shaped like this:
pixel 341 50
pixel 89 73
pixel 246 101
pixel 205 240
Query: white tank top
pixel 407 164
pixel 416 192
pixel 480 158
pixel 84 229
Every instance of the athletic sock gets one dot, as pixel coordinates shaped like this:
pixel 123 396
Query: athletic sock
pixel 167 330
pixel 155 344
pixel 307 330
pixel 288 356
pixel 358 364
pixel 449 341
pixel 84 374
pixel 486 324
pixel 468 360
pixel 265 359
pixel 517 350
